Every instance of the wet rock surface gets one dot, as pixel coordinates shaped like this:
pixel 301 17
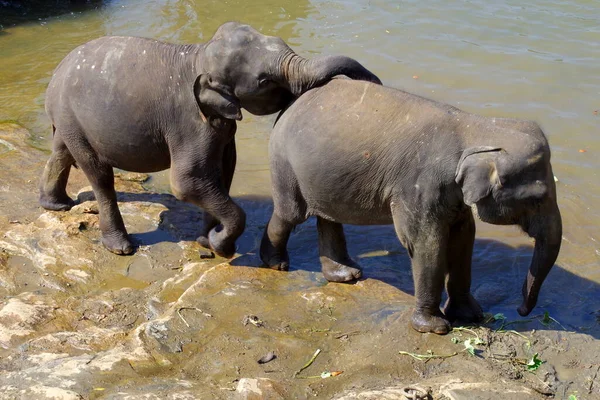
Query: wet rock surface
pixel 79 322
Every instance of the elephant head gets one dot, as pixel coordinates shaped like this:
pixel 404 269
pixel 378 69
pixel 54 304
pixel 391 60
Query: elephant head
pixel 241 68
pixel 514 184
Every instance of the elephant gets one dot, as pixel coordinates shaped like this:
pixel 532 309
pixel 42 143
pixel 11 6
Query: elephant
pixel 356 153
pixel 143 105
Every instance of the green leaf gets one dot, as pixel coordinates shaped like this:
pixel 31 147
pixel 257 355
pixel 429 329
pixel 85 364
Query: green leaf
pixel 499 317
pixel 469 347
pixel 573 397
pixel 534 363
pixel 546 320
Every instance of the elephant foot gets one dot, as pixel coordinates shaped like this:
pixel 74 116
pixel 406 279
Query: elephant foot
pixel 426 321
pixel 222 246
pixel 276 263
pixel 272 257
pixel 334 271
pixel 118 244
pixel 56 204
pixel 203 241
pixel 273 260
pixel 463 309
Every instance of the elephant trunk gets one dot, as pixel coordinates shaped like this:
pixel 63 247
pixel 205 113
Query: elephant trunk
pixel 302 74
pixel 546 229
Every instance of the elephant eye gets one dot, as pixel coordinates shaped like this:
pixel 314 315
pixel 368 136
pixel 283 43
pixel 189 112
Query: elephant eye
pixel 264 82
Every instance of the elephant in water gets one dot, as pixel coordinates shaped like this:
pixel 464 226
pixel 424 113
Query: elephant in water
pixel 358 153
pixel 142 105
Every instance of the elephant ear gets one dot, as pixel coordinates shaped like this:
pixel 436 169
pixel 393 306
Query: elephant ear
pixel 213 96
pixel 477 173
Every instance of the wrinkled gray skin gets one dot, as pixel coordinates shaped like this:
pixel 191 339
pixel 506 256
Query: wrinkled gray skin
pixel 144 106
pixel 357 153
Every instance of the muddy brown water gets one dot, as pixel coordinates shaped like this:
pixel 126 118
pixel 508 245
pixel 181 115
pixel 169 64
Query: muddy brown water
pixel 537 61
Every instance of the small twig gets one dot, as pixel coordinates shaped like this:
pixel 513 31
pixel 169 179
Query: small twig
pixel 183 319
pixel 190 308
pixel 308 364
pixel 317 330
pixel 91 359
pixel 559 324
pixel 347 334
pixel 521 335
pixel 423 357
pixel 505 323
pixel 591 385
pixel 471 331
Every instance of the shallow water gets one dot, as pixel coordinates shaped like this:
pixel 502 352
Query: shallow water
pixel 537 61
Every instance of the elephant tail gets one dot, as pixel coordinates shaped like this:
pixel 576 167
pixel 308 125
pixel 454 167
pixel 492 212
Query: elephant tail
pixel 53 132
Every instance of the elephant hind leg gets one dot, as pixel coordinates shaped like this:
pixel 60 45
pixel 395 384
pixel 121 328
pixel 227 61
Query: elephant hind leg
pixel 461 305
pixel 336 264
pixel 273 247
pixel 53 184
pixel 289 210
pixel 101 177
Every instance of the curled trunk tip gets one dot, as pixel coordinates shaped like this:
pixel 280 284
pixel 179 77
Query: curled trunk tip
pixel 547 231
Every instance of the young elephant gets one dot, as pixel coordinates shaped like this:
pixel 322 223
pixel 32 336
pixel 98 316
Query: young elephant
pixel 357 153
pixel 145 106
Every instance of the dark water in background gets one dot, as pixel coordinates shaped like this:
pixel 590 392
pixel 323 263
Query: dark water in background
pixel 538 61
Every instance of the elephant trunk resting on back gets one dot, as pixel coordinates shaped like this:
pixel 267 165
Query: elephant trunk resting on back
pixel 143 105
pixel 357 153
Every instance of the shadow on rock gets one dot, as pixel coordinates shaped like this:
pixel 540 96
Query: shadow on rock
pixel 571 302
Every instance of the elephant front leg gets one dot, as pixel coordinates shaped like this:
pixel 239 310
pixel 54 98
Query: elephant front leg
pixel 428 265
pixel 336 264
pixel 426 244
pixel 207 193
pixel 461 305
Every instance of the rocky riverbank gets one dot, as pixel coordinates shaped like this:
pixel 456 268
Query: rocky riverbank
pixel 79 322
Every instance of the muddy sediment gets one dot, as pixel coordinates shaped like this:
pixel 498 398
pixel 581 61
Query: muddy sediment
pixel 79 322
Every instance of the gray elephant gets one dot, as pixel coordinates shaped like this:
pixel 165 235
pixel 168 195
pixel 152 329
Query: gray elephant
pixel 142 105
pixel 357 153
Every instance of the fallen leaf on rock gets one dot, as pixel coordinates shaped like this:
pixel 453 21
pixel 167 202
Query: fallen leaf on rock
pixel 582 150
pixel 415 76
pixel 534 363
pixel 270 356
